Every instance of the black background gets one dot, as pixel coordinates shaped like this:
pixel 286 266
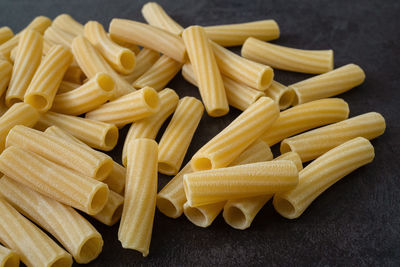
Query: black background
pixel 356 221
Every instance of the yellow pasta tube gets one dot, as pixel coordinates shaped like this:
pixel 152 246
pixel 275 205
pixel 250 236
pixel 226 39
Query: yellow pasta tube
pixel 53 180
pixel 305 117
pixel 156 16
pixel 27 60
pixel 178 135
pixel 5 34
pixel 5 75
pixel 3 107
pixel 328 84
pixel 22 236
pixel 120 58
pixel 148 36
pixel 112 211
pixel 135 49
pixel 128 108
pixel 236 34
pixel 66 23
pixel 144 60
pixel 261 178
pixel 74 74
pixel 96 134
pixel 286 58
pixel 58 36
pixel 321 174
pixel 73 231
pixel 13 55
pixel 206 71
pixel 228 144
pixel 256 152
pixel 17 114
pixel 242 70
pixel 314 143
pixel 281 94
pixel 91 62
pixel 8 258
pixel 46 46
pixel 43 87
pixel 159 75
pixel 149 127
pixel 80 158
pixel 66 87
pixel 140 196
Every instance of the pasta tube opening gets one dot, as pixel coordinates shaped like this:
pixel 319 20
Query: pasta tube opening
pixel 265 78
pixel 111 137
pixel 106 82
pixel 286 99
pixel 202 163
pixel 236 218
pixel 104 169
pixel 90 249
pixel 117 213
pixel 166 206
pixel 167 168
pixel 37 101
pixel 284 207
pixel 12 260
pixel 99 199
pixel 285 147
pixel 127 59
pixel 196 216
pixel 61 261
pixel 151 98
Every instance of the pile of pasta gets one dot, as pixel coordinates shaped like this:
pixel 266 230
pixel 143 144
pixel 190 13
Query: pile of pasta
pixel 66 89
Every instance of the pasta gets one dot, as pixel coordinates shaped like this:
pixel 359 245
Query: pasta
pixel 321 174
pixel 53 180
pixel 46 46
pixel 149 127
pixel 159 75
pixel 128 108
pixel 8 258
pixel 13 54
pixel 328 84
pixel 156 16
pixel 57 36
pixel 112 211
pixel 120 58
pixel 66 87
pixel 314 143
pixel 236 34
pixel 140 196
pixel 178 135
pixel 305 117
pixel 135 49
pixel 144 60
pixel 5 34
pixel 74 74
pixel 206 71
pixel 5 75
pixel 43 87
pixel 286 58
pixel 148 36
pixel 281 94
pixel 73 231
pixel 220 151
pixel 66 23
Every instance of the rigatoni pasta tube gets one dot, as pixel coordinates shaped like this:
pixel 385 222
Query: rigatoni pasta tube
pixel 73 231
pixel 305 117
pixel 5 34
pixel 328 84
pixel 150 37
pixel 159 75
pixel 43 87
pixel 80 158
pixel 66 86
pixel 323 172
pixel 281 94
pixel 8 258
pixel 96 134
pixel 156 16
pixel 135 49
pixel 120 58
pixel 314 143
pixel 128 108
pixel 140 196
pixel 206 71
pixel 74 74
pixel 286 58
pixel 228 144
pixel 58 36
pixel 236 34
pixel 149 127
pixel 112 211
pixel 27 60
pixel 178 135
pixel 144 60
pixel 5 75
pixel 66 23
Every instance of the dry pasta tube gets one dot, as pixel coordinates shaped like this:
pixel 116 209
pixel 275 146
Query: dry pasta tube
pixel 58 36
pixel 156 16
pixel 128 108
pixel 74 74
pixel 27 60
pixel 305 117
pixel 33 246
pixel 135 49
pixel 5 75
pixel 66 87
pixel 150 37
pixel 43 87
pixel 3 107
pixel 112 211
pixel 73 231
pixel 96 134
pixel 206 71
pixel 46 46
pixel 323 172
pixel 178 135
pixel 328 84
pixel 13 55
pixel 312 144
pixel 66 23
pixel 5 34
pixel 120 58
pixel 140 196
pixel 159 75
pixel 286 58
pixel 236 34
pixel 8 258
pixel 144 60
pixel 281 94
pixel 220 151
pixel 149 127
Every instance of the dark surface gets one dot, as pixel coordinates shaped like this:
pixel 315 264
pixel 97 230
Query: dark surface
pixel 356 221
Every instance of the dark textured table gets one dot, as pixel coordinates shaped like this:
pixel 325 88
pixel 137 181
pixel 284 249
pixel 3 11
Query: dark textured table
pixel 356 221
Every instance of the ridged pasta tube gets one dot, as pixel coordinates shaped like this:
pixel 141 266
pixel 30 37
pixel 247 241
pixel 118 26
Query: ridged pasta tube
pixel 220 151
pixel 148 36
pixel 66 87
pixel 140 196
pixel 5 34
pixel 112 211
pixel 58 36
pixel 149 127
pixel 144 60
pixel 305 117
pixel 314 143
pixel 74 74
pixel 281 94
pixel 66 23
pixel 178 135
pixel 286 58
pixel 156 16
pixel 73 231
pixel 208 76
pixel 5 75
pixel 321 174
pixel 8 258
pixel 135 49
